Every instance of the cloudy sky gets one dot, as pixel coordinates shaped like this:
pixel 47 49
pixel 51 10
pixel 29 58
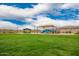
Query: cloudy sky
pixel 29 15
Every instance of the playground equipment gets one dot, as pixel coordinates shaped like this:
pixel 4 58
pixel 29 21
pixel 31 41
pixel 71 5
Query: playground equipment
pixel 48 31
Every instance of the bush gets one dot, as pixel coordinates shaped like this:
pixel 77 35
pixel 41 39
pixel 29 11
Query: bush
pixel 77 33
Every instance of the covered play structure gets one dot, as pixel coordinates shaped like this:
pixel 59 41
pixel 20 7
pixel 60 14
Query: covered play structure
pixel 48 31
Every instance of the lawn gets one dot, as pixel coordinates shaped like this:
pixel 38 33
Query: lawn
pixel 39 45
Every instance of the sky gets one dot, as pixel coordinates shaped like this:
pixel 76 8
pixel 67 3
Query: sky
pixel 30 15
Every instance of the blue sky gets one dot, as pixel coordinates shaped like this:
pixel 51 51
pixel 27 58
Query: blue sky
pixel 38 14
pixel 20 5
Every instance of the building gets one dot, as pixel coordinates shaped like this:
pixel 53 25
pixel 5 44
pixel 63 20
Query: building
pixel 26 30
pixel 5 31
pixel 58 30
pixel 68 29
pixel 47 28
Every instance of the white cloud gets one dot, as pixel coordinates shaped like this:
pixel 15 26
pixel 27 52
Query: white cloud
pixel 15 12
pixel 25 26
pixel 59 23
pixel 43 21
pixel 70 5
pixel 39 22
pixel 29 20
pixel 7 25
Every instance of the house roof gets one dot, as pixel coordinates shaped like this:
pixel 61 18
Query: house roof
pixel 47 26
pixel 70 27
pixel 26 29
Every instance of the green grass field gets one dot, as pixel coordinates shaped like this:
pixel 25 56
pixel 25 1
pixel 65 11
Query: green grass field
pixel 39 45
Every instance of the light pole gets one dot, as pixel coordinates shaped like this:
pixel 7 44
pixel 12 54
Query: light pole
pixel 17 29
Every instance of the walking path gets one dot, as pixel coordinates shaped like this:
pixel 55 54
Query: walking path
pixel 50 33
